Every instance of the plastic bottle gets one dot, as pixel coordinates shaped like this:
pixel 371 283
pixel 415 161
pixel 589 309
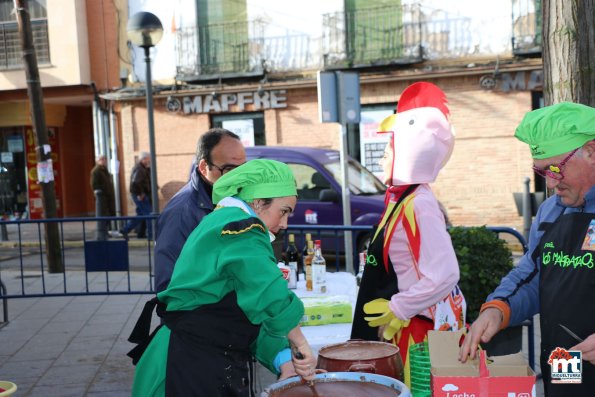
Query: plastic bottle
pixel 291 259
pixel 308 264
pixel 318 269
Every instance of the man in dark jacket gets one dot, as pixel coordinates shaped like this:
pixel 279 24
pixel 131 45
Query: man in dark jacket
pixel 140 191
pixel 218 151
pixel 103 188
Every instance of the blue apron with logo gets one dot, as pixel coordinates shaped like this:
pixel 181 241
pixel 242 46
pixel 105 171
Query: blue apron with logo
pixel 566 254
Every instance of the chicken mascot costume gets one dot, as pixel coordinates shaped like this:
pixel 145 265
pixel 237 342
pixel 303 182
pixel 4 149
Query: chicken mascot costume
pixel 409 284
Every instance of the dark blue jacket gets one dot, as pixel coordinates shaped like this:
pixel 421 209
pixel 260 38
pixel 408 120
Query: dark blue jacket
pixel 179 218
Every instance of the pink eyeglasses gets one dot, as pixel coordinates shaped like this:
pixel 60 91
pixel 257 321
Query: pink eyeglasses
pixel 554 171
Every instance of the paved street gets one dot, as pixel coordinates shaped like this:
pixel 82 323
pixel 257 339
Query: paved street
pixel 73 346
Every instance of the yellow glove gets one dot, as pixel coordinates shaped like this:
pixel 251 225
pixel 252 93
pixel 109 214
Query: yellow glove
pixel 387 318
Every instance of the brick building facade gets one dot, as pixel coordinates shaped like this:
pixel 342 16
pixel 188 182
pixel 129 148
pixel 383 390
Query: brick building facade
pixel 476 187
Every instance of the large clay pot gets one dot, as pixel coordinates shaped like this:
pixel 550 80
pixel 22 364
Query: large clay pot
pixel 339 384
pixel 362 356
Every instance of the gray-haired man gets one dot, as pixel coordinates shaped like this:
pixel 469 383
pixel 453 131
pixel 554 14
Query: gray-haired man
pixel 140 191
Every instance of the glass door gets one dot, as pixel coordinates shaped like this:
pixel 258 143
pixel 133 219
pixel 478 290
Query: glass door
pixel 13 174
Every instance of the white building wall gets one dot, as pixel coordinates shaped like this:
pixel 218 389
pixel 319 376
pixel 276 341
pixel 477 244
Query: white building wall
pixel 69 49
pixel 488 31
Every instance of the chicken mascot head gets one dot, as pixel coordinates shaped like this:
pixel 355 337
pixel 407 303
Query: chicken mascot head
pixel 422 137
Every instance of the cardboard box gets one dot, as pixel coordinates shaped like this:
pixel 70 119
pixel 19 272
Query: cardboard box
pixel 502 376
pixel 326 310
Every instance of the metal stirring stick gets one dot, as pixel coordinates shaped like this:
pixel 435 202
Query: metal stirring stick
pixel 569 332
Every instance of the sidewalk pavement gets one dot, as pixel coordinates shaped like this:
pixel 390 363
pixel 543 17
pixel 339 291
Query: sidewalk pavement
pixel 74 346
pixel 72 234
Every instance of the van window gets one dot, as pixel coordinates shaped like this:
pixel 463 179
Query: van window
pixel 361 181
pixel 309 181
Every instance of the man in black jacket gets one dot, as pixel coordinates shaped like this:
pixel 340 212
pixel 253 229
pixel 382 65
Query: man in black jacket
pixel 103 188
pixel 140 191
pixel 218 151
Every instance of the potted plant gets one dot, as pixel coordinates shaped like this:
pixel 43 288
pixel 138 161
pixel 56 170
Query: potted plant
pixel 484 259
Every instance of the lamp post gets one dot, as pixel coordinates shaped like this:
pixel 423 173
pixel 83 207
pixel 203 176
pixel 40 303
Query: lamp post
pixel 145 30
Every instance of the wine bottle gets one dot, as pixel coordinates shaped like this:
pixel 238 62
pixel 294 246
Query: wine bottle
pixel 291 260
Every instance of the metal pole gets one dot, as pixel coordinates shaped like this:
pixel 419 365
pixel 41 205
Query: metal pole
pixel 346 201
pixel 43 149
pixel 527 210
pixel 3 232
pixel 154 196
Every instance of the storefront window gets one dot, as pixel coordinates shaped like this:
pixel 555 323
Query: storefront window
pixel 13 173
pixel 249 126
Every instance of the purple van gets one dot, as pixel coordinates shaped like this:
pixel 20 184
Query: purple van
pixel 318 177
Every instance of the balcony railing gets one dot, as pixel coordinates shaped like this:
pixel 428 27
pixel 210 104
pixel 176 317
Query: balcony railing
pixel 11 53
pixel 239 48
pixel 363 38
pixel 393 35
pixel 372 36
pixel 526 27
pixel 447 38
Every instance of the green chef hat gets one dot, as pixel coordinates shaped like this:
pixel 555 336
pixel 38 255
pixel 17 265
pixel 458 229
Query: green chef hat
pixel 557 129
pixel 256 179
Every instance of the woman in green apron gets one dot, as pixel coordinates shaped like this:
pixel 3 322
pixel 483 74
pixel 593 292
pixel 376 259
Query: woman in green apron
pixel 227 301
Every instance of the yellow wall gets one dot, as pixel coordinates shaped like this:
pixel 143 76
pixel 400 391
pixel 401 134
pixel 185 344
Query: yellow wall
pixel 18 113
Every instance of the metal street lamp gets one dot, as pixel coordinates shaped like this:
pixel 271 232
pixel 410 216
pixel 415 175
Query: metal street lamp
pixel 145 30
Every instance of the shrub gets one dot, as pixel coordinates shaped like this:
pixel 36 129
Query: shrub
pixel 483 260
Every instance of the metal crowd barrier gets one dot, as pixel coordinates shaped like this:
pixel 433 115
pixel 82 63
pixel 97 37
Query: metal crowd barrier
pixel 104 267
pixel 115 266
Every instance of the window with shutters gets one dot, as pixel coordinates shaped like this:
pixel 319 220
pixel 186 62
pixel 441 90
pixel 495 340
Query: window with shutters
pixel 11 54
pixel 222 36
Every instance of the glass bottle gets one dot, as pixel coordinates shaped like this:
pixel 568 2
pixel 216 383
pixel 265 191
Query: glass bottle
pixel 302 268
pixel 308 264
pixel 291 260
pixel 318 269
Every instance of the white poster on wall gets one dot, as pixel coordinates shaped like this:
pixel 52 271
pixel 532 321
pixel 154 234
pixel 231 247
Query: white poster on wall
pixel 6 157
pixel 372 144
pixel 243 128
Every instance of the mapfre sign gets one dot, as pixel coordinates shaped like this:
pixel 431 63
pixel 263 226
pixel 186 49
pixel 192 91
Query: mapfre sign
pixel 274 99
pixel 521 81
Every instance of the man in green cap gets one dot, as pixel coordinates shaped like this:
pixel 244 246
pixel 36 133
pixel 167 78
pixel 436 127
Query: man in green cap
pixel 233 306
pixel 556 277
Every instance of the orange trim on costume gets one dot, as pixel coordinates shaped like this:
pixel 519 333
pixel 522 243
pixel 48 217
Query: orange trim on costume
pixel 500 305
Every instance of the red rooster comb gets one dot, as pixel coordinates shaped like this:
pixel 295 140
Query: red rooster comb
pixel 423 94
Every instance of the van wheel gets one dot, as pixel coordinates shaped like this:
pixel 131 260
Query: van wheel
pixel 363 242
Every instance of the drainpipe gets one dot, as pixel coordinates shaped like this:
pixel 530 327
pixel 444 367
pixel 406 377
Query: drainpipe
pixel 105 131
pixel 96 124
pixel 115 163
